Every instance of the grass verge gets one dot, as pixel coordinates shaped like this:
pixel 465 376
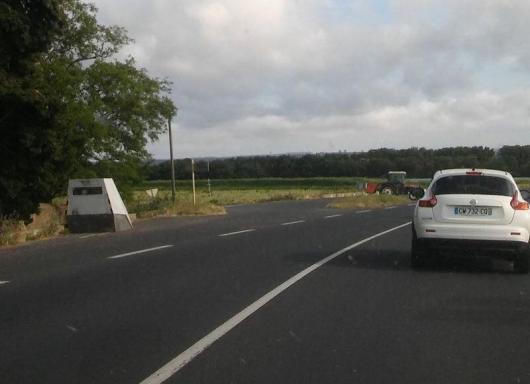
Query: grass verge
pixel 369 201
pixel 164 206
pixel 261 196
pixel 242 196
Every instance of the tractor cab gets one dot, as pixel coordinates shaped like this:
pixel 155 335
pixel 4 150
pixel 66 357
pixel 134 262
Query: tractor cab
pixel 396 176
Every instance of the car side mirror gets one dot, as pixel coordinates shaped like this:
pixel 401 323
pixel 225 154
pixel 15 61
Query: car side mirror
pixel 525 194
pixel 416 193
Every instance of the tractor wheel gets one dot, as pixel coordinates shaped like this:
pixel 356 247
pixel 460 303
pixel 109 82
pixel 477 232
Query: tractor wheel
pixel 387 191
pixel 416 193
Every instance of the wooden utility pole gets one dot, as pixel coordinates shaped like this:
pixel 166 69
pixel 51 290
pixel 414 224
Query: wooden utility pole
pixel 173 191
pixel 209 185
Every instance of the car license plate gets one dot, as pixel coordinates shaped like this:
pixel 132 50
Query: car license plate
pixel 473 211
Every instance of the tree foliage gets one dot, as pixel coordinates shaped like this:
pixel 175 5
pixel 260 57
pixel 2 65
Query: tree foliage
pixel 27 29
pixel 68 106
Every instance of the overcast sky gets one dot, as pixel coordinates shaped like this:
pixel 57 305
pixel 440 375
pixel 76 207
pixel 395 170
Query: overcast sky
pixel 274 76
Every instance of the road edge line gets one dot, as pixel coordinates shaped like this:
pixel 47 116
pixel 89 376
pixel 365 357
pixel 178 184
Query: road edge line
pixel 179 362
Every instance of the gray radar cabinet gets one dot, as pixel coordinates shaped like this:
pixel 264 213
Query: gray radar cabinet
pixel 95 205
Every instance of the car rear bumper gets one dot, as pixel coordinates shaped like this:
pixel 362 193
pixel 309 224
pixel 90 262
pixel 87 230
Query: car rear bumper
pixel 508 250
pixel 478 233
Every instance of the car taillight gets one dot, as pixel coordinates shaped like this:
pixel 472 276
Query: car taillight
pixel 428 203
pixel 518 205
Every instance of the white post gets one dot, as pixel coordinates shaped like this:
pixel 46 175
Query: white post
pixel 209 185
pixel 193 180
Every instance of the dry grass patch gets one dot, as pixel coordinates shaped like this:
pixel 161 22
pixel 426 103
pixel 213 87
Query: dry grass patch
pixel 47 223
pixel 369 201
pixel 12 231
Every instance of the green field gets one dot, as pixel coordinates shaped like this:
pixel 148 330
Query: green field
pixel 321 183
pixel 330 184
pixel 246 191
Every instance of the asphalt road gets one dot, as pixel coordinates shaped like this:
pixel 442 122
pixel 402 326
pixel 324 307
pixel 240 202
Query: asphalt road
pixel 115 308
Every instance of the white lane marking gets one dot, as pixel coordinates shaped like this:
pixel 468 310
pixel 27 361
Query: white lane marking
pixel 236 233
pixel 294 222
pixel 140 251
pixel 173 366
pixel 332 216
pixel 364 211
pixel 393 207
pixel 2 282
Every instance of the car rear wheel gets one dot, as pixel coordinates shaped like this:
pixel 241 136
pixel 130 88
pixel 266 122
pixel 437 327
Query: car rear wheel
pixel 521 263
pixel 417 252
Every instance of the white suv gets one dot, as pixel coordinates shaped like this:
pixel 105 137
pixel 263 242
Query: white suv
pixel 470 210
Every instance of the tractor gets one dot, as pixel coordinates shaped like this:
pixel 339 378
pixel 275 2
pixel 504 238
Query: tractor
pixel 395 184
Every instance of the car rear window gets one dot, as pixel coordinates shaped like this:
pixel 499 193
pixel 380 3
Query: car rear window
pixel 475 185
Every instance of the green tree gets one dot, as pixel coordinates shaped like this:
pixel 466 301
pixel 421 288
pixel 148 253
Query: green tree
pixel 82 112
pixel 27 29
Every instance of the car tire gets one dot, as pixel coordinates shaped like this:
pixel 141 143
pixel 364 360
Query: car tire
pixel 521 263
pixel 417 252
pixel 387 191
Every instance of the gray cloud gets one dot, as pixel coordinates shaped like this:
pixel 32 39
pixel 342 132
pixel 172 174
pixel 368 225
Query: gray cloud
pixel 267 76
